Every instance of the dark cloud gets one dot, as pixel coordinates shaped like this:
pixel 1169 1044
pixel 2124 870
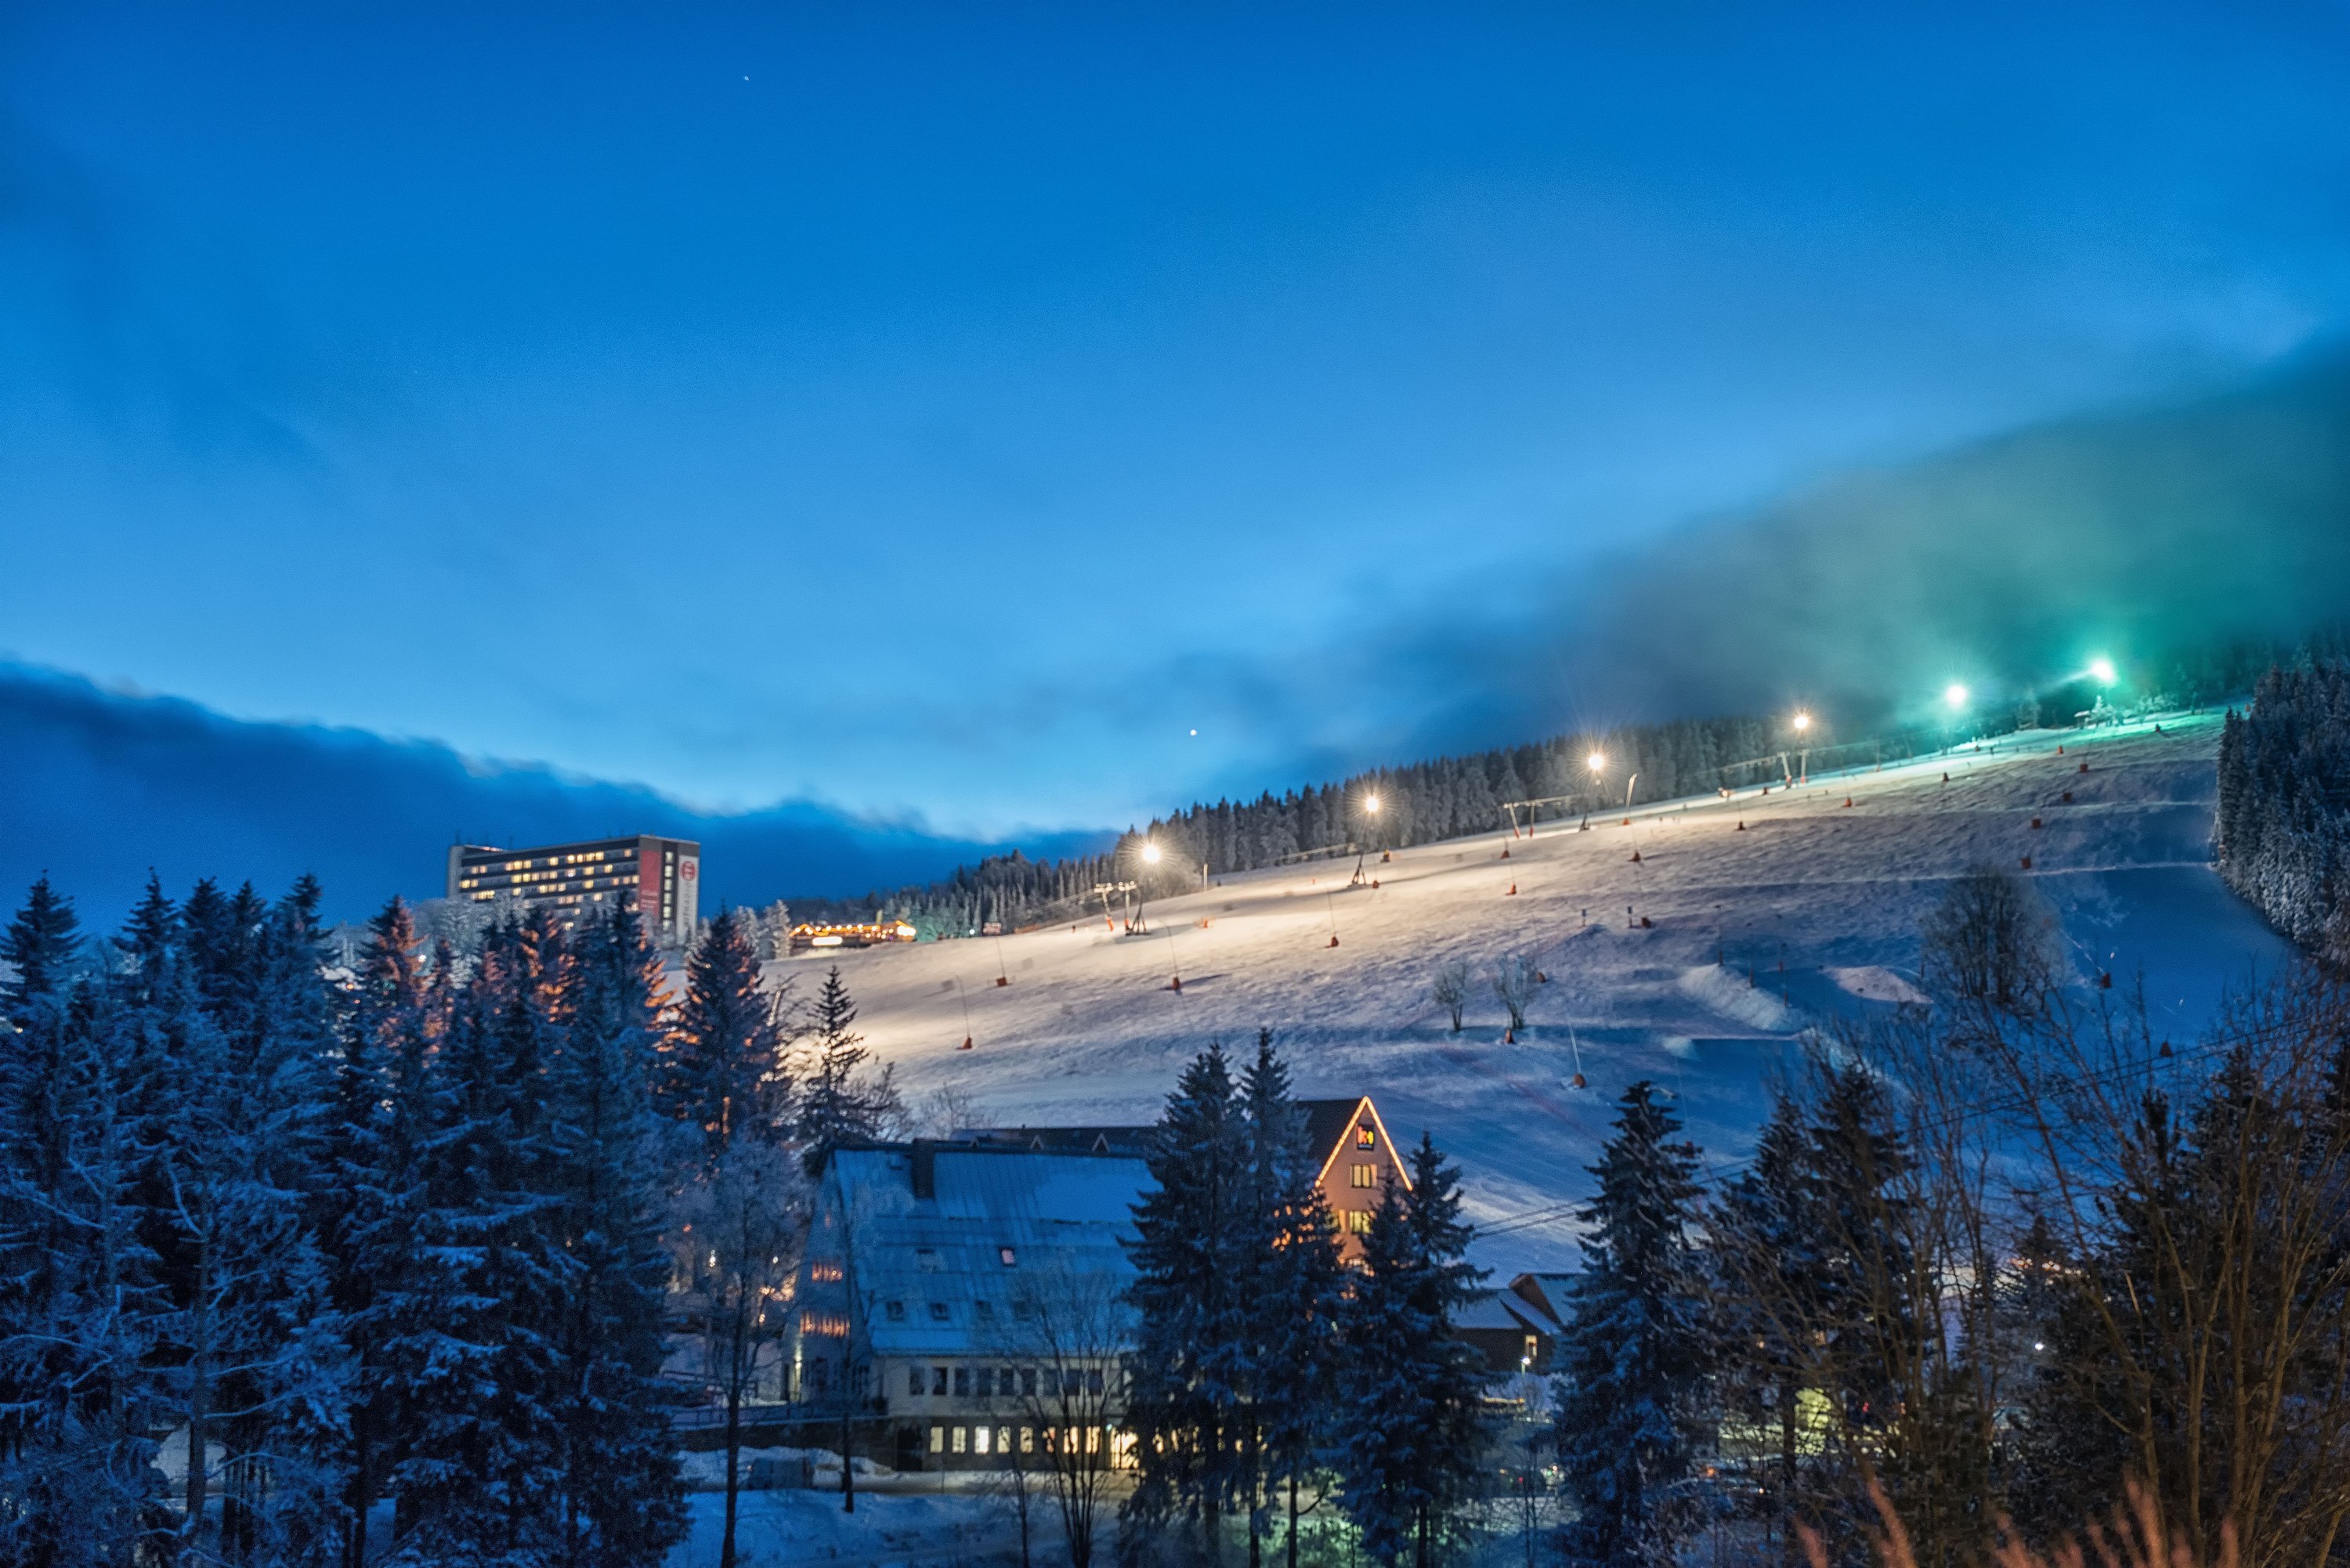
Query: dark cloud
pixel 97 787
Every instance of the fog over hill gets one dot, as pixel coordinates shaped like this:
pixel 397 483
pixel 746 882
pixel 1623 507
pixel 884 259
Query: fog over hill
pixel 2207 532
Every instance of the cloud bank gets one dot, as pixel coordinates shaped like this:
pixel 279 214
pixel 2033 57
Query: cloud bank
pixel 97 788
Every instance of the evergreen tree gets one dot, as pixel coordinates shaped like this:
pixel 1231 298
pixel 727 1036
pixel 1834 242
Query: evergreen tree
pixel 78 1398
pixel 1410 1441
pixel 839 1100
pixel 470 1336
pixel 377 1124
pixel 1184 1378
pixel 1765 1251
pixel 623 1499
pixel 1634 1351
pixel 723 1070
pixel 39 947
pixel 1295 1288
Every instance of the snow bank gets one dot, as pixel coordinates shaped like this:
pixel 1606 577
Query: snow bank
pixel 1729 993
pixel 1874 982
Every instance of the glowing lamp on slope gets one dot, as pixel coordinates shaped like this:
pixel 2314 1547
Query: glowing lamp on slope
pixel 2103 669
pixel 1955 695
pixel 1596 762
pixel 1151 853
pixel 1803 721
pixel 1371 804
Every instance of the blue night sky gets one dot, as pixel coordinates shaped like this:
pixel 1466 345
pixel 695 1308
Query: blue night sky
pixel 935 416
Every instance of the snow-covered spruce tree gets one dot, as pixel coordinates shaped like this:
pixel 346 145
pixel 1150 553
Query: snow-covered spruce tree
pixel 1633 1355
pixel 839 1099
pixel 1296 1289
pixel 76 1300
pixel 379 1120
pixel 1188 1294
pixel 721 1070
pixel 622 1501
pixel 1410 1442
pixel 2284 818
pixel 252 1356
pixel 1765 1242
pixel 468 1339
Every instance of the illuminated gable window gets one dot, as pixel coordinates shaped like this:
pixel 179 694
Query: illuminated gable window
pixel 1358 1221
pixel 1011 1258
pixel 1363 1175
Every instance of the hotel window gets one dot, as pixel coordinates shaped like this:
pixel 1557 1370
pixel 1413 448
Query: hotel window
pixel 914 1382
pixel 1363 1175
pixel 1027 1439
pixel 962 1382
pixel 1358 1221
pixel 979 1436
pixel 961 1438
pixel 1011 1258
pixel 1003 1439
pixel 937 1439
pixel 938 1382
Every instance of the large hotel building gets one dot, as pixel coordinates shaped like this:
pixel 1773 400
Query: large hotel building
pixel 665 875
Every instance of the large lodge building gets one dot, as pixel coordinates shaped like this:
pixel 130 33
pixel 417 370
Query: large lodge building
pixel 965 1297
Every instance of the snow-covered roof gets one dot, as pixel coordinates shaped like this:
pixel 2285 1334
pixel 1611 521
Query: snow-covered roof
pixel 944 1241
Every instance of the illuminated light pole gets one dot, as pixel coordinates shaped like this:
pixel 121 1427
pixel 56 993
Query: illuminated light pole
pixel 2103 671
pixel 1371 810
pixel 1598 763
pixel 1954 698
pixel 1802 725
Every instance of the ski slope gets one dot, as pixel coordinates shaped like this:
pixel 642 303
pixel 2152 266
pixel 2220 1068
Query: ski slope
pixel 1811 910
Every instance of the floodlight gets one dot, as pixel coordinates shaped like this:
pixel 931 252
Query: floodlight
pixel 2103 669
pixel 1803 721
pixel 1597 761
pixel 1371 804
pixel 1955 695
pixel 1151 853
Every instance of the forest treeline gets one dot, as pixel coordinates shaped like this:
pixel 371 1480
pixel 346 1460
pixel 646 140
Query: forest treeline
pixel 2284 826
pixel 409 1233
pixel 1452 797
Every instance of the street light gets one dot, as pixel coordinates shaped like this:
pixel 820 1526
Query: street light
pixel 1372 806
pixel 1149 853
pixel 2103 669
pixel 1803 721
pixel 1955 695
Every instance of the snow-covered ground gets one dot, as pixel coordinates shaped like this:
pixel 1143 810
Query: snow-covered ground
pixel 795 1529
pixel 1812 909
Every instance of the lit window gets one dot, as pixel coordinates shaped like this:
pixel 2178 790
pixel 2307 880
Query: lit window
pixel 961 1437
pixel 1358 1220
pixel 979 1437
pixel 1003 1439
pixel 937 1439
pixel 1364 1176
pixel 1011 1258
pixel 1027 1439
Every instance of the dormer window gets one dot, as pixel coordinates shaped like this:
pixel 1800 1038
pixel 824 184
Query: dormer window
pixel 927 1259
pixel 897 1311
pixel 1010 1256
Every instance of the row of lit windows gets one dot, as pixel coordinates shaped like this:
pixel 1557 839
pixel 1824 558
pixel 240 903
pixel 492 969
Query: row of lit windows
pixel 945 1439
pixel 1004 1381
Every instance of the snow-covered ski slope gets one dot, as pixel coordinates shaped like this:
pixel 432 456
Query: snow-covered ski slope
pixel 1811 910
